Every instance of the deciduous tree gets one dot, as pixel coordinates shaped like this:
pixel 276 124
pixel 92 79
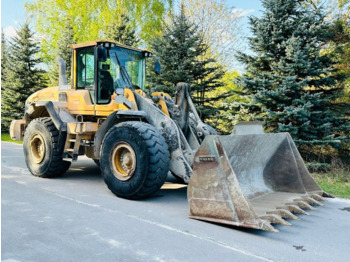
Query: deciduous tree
pixel 220 26
pixel 90 19
pixel 67 37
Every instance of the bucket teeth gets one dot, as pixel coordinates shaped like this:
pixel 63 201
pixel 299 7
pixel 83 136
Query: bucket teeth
pixel 317 197
pixel 302 204
pixel 295 209
pixel 283 213
pixel 275 219
pixel 265 225
pixel 225 187
pixel 311 201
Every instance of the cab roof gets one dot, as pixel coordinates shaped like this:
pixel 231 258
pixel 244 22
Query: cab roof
pixel 106 43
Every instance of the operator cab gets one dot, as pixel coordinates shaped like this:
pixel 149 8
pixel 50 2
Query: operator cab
pixel 105 67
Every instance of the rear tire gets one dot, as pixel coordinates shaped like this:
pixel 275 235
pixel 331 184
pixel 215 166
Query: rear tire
pixel 43 150
pixel 134 160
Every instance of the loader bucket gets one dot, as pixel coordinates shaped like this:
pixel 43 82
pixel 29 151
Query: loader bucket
pixel 250 180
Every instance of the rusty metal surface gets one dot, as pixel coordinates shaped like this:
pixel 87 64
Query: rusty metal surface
pixel 250 181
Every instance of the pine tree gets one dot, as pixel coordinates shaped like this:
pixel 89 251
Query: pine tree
pixel 3 58
pixel 184 58
pixel 22 77
pixel 290 84
pixel 122 31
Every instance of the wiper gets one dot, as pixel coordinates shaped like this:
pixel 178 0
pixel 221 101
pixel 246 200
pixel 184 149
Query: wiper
pixel 124 73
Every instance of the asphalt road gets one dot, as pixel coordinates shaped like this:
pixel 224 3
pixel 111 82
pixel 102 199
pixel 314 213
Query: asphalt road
pixel 76 218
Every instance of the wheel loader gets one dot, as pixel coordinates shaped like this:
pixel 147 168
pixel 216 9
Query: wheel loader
pixel 249 178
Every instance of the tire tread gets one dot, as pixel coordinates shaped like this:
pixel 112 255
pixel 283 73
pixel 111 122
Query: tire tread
pixel 57 166
pixel 158 158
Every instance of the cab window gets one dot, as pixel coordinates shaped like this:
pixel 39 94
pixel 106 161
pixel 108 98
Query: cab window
pixel 85 68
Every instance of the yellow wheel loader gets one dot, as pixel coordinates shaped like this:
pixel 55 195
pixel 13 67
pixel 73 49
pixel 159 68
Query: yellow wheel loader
pixel 248 178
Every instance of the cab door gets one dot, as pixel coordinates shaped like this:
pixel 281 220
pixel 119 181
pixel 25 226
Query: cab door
pixel 81 98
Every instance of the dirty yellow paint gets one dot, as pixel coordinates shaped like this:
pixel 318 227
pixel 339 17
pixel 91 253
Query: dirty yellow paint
pixel 161 101
pixel 74 72
pixel 160 94
pixel 106 109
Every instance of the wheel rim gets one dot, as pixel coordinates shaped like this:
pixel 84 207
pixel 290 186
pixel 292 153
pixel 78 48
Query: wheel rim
pixel 37 147
pixel 123 161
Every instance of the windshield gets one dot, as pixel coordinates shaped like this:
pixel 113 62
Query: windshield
pixel 122 65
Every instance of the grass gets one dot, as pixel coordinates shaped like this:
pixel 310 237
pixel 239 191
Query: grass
pixel 335 182
pixel 7 138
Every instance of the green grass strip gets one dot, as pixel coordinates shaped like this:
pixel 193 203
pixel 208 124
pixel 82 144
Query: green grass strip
pixel 336 186
pixel 7 138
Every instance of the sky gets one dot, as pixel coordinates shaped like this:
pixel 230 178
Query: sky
pixel 13 12
pixel 13 15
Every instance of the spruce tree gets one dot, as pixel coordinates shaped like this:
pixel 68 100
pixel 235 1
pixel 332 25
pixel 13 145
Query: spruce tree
pixel 291 86
pixel 23 77
pixel 122 31
pixel 3 58
pixel 183 55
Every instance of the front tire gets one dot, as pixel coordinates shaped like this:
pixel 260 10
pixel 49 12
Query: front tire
pixel 97 162
pixel 43 149
pixel 134 160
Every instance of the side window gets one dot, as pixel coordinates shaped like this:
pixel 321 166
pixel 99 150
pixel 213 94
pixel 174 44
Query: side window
pixel 106 74
pixel 85 68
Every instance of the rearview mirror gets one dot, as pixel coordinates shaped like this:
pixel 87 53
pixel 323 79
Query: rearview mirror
pixel 101 53
pixel 157 68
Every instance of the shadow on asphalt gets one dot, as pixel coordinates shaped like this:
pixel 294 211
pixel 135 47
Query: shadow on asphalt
pixel 169 195
pixel 174 194
pixel 278 236
pixel 171 191
pixel 82 174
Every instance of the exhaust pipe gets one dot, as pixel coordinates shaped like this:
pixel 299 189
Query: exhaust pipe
pixel 62 81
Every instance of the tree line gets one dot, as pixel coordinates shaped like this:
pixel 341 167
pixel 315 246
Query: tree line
pixel 296 79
